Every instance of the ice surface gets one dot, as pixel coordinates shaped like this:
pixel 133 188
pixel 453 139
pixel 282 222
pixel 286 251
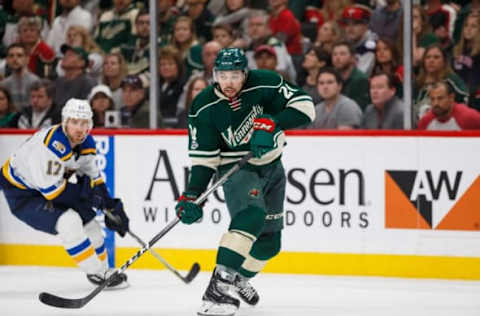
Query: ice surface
pixel 161 293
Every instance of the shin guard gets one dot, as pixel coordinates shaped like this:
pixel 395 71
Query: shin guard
pixel 237 242
pixel 265 247
pixel 70 230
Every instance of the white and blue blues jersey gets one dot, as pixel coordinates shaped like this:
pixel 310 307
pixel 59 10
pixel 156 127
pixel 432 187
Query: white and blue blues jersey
pixel 44 161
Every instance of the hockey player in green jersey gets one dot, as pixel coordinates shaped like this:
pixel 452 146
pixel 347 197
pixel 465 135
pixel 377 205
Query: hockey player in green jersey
pixel 242 111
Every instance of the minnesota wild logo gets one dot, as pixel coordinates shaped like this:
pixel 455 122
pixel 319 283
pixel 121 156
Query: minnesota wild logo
pixel 243 132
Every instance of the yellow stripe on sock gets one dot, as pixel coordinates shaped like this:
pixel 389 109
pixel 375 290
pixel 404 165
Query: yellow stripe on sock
pixel 84 255
pixel 103 255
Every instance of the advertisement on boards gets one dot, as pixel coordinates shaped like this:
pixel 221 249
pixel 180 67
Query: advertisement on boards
pixel 395 195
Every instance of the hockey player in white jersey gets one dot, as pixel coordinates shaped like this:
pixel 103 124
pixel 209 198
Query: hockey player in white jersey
pixel 35 180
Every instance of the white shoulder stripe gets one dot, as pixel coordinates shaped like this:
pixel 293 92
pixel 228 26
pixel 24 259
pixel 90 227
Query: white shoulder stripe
pixel 204 107
pixel 203 153
pixel 206 162
pixel 305 106
pixel 300 97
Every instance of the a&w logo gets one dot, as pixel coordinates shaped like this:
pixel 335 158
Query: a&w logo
pixel 431 200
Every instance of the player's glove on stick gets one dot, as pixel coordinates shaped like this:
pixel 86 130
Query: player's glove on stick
pixel 102 197
pixel 186 210
pixel 120 224
pixel 264 130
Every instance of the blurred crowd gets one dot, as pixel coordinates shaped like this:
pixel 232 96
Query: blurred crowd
pixel 346 54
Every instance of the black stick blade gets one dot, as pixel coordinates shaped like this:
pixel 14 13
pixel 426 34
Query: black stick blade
pixel 193 273
pixel 57 301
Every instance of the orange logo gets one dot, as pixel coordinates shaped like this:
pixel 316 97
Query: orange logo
pixel 410 195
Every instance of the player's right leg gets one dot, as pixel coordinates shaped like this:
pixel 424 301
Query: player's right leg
pixel 268 243
pixel 244 197
pixel 87 228
pixel 94 232
pixel 32 209
pixel 265 247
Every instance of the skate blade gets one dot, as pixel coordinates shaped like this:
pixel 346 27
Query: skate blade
pixel 213 309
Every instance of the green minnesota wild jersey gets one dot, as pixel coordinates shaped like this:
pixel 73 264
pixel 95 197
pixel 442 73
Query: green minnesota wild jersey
pixel 220 128
pixel 114 29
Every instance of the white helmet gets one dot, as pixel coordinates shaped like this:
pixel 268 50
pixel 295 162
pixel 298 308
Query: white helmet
pixel 77 109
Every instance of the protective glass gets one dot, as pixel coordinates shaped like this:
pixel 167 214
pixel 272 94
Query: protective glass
pixel 232 76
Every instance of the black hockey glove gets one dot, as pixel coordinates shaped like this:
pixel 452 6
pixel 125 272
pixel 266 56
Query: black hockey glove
pixel 101 197
pixel 120 224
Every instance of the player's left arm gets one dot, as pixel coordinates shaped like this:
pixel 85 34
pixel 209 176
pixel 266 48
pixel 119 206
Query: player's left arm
pixel 290 106
pixel 285 106
pixel 100 196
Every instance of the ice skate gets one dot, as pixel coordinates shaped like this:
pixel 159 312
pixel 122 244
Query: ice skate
pixel 246 291
pixel 119 282
pixel 217 300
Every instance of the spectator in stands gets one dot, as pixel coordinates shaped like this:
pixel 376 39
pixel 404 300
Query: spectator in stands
pixel 194 86
pixel 209 53
pixel 386 110
pixel 167 15
pixel 217 7
pixel 356 19
pixel 20 9
pixel 205 70
pixel 315 59
pixel 439 24
pixel 387 60
pixel 308 13
pixel 223 34
pixel 184 36
pixel 328 34
pixel 266 58
pixel 331 10
pixel 116 25
pixel 8 111
pixel 473 7
pixel 435 67
pixel 336 111
pixel 467 58
pixel 72 14
pixel 355 83
pixel 21 78
pixel 114 71
pixel 445 113
pixel 78 36
pixel 387 20
pixel 236 16
pixel 286 27
pixel 422 37
pixel 41 57
pixel 185 41
pixel 202 19
pixel 42 112
pixel 171 82
pixel 433 7
pixel 75 83
pixel 135 110
pixel 137 50
pixel 260 34
pixel 100 99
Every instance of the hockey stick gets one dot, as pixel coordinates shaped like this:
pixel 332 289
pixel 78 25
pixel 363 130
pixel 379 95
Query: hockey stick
pixel 190 275
pixel 57 301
